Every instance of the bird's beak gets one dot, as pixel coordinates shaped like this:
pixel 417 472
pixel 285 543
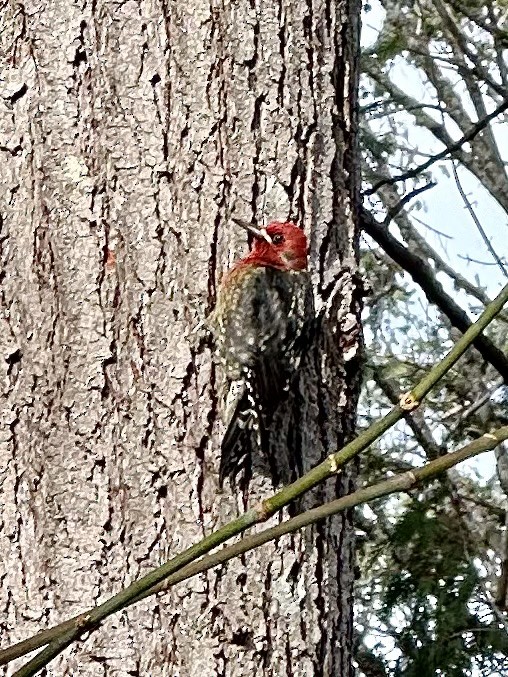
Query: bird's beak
pixel 257 232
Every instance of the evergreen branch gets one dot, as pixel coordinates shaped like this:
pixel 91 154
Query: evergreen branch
pixel 422 273
pixel 328 468
pixel 398 483
pixel 449 150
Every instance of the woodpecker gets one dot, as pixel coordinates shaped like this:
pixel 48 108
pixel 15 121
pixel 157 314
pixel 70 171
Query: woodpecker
pixel 263 306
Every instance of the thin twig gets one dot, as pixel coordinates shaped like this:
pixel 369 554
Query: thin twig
pixel 395 209
pixel 461 47
pixel 476 220
pixel 416 421
pixel 390 194
pixel 470 259
pixel 465 413
pixel 449 150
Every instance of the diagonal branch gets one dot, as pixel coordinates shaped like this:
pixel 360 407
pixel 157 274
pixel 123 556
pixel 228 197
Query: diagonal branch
pixel 422 273
pixel 476 221
pixel 398 483
pixel 462 48
pixel 409 103
pixel 394 210
pixel 416 421
pixel 330 467
pixel 390 197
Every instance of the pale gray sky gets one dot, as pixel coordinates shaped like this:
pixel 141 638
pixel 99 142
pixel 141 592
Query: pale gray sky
pixel 443 208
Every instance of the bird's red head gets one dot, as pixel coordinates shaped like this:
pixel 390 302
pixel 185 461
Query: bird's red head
pixel 280 245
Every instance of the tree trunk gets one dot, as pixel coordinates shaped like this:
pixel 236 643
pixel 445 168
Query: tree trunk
pixel 129 132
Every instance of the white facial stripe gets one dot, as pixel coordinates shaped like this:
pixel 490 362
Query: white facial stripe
pixel 264 233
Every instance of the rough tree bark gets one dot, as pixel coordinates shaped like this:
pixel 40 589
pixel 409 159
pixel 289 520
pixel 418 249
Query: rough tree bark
pixel 128 133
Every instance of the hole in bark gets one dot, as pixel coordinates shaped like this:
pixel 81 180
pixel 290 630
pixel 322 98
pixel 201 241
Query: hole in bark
pixel 242 637
pixel 79 57
pixel 294 571
pixel 14 357
pixel 19 93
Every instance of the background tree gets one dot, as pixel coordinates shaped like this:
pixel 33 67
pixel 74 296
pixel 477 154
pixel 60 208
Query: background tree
pixel 434 92
pixel 129 133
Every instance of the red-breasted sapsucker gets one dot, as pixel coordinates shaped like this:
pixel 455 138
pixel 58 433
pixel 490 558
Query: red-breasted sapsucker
pixel 258 323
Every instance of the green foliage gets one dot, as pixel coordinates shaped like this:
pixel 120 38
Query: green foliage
pixel 391 44
pixel 427 565
pixel 378 146
pixel 431 577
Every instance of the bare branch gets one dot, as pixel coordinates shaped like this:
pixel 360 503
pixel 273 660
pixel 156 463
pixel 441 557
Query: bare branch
pixel 452 149
pixel 389 195
pixel 396 208
pixel 422 273
pixel 409 103
pixel 416 420
pixel 470 259
pixel 476 221
pixel 461 46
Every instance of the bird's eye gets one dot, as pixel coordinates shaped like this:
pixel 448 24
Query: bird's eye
pixel 278 239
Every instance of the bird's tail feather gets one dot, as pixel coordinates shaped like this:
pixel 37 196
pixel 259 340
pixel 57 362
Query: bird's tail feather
pixel 240 437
